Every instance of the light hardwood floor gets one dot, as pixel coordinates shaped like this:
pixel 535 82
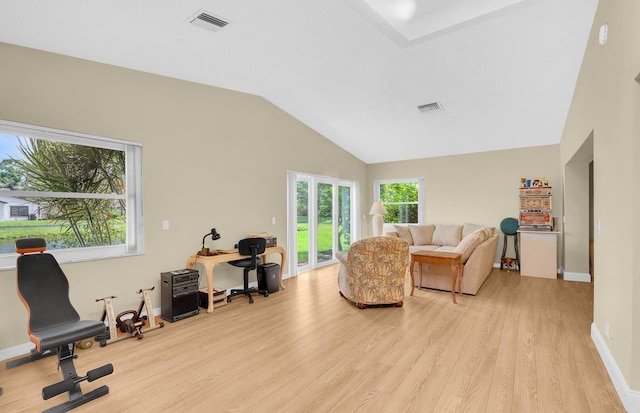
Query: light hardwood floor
pixel 521 345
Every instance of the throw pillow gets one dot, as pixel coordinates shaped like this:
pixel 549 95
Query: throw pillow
pixel 469 243
pixel 404 233
pixel 469 228
pixel 447 235
pixel 422 234
pixel 488 232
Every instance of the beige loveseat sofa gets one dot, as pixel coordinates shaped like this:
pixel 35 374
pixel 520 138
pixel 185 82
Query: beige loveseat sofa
pixel 476 243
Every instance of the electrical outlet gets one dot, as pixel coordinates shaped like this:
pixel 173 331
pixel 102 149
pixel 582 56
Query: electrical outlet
pixel 607 332
pixel 165 225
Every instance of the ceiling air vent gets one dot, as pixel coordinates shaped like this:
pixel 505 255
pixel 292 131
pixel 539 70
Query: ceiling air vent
pixel 208 21
pixel 431 107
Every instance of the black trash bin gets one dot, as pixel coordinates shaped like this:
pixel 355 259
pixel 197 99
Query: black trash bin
pixel 269 277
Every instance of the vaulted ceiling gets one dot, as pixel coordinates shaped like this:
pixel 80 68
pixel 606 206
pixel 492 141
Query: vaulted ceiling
pixel 501 73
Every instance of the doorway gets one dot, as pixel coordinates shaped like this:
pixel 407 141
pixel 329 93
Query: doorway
pixel 321 219
pixel 579 224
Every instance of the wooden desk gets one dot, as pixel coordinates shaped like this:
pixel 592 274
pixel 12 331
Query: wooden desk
pixel 453 259
pixel 210 261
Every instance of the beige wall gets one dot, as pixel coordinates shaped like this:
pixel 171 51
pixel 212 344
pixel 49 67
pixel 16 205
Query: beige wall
pixel 479 188
pixel 606 105
pixel 211 158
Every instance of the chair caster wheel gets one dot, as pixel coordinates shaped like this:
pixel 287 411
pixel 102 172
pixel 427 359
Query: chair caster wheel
pixel 251 301
pixel 399 304
pixel 266 295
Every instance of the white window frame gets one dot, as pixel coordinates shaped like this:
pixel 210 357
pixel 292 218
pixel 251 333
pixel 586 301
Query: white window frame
pixel 421 193
pixel 134 244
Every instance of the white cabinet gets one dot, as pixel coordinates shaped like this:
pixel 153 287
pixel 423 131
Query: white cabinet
pixel 539 254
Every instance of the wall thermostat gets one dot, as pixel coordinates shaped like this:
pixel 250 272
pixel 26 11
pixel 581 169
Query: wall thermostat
pixel 602 37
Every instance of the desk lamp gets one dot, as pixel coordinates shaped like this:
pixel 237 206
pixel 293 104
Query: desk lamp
pixel 214 236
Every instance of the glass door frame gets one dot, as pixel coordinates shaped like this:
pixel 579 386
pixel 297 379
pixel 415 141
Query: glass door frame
pixel 292 227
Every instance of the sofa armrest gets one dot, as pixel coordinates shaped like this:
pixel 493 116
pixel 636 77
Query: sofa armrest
pixel 481 259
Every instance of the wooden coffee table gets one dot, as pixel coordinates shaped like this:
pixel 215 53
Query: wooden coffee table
pixel 453 259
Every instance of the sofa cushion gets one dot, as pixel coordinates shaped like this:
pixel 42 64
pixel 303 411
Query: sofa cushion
pixel 488 232
pixel 404 233
pixel 415 248
pixel 422 234
pixel 469 243
pixel 446 248
pixel 447 235
pixel 469 228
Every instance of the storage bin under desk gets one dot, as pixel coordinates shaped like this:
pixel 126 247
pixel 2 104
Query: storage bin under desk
pixel 539 254
pixel 219 297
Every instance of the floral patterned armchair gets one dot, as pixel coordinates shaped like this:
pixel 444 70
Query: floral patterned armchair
pixel 373 271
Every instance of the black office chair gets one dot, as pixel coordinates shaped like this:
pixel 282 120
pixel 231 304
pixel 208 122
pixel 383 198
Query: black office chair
pixel 54 325
pixel 249 247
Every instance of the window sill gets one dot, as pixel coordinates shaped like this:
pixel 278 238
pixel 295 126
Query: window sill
pixel 71 255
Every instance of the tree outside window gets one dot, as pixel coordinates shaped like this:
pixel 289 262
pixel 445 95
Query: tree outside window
pixel 81 191
pixel 402 199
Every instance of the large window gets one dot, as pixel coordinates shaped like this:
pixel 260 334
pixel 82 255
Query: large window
pixel 402 198
pixel 81 193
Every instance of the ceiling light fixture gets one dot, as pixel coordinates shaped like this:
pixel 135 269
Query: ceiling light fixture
pixel 404 9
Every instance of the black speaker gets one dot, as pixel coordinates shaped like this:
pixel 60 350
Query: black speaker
pixel 269 277
pixel 179 294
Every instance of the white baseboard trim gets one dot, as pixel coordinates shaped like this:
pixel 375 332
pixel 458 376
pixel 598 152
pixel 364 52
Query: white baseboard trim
pixel 576 276
pixel 630 398
pixel 19 350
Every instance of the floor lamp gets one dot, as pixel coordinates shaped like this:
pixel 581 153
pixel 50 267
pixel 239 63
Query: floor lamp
pixel 377 210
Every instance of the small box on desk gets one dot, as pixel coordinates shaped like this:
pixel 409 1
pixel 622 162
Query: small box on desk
pixel 271 240
pixel 219 298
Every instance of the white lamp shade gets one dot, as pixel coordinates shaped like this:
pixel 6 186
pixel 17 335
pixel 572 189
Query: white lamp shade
pixel 377 208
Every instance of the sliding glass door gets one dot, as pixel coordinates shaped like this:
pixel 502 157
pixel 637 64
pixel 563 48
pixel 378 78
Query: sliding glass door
pixel 321 219
pixel 324 223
